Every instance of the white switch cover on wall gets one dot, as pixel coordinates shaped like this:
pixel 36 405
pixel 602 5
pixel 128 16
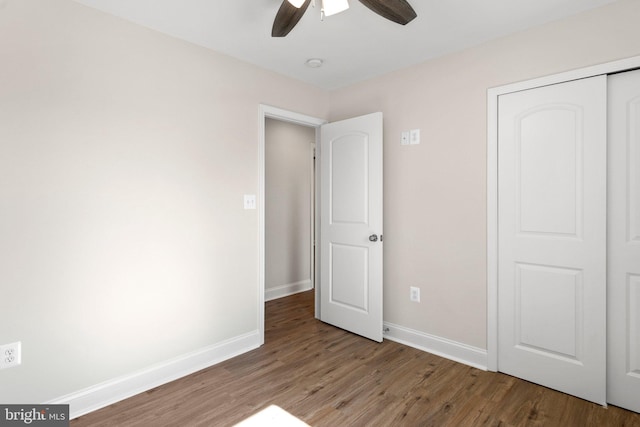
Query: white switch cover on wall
pixel 414 136
pixel 249 201
pixel 414 294
pixel 404 139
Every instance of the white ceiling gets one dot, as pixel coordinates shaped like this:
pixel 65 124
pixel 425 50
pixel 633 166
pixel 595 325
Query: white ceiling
pixel 355 45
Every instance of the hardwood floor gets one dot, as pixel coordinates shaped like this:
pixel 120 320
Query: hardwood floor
pixel 328 377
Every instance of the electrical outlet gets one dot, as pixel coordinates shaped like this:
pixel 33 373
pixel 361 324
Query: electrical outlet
pixel 414 294
pixel 10 355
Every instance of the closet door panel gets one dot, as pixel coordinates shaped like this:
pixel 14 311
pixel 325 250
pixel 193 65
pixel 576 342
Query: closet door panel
pixel 552 236
pixel 623 329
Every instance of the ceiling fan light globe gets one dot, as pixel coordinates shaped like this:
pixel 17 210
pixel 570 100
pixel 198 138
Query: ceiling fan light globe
pixel 331 7
pixel 296 3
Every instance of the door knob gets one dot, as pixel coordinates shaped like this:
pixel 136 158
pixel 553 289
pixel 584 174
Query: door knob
pixel 373 238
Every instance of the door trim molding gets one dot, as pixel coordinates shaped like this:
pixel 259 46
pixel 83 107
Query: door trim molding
pixel 268 111
pixel 492 179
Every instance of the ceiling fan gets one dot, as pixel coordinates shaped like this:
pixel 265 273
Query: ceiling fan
pixel 290 12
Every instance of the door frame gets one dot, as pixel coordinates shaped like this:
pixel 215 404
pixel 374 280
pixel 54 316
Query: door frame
pixel 268 111
pixel 492 179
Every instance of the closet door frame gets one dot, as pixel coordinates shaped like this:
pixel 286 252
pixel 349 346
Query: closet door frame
pixel 492 180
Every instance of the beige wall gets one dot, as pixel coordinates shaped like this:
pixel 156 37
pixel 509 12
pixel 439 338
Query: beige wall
pixel 435 192
pixel 124 157
pixel 289 168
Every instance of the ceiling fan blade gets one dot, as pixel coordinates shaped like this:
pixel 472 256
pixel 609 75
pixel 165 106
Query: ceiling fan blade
pixel 287 17
pixel 399 11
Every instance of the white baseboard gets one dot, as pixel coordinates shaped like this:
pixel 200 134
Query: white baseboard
pixel 112 391
pixel 442 347
pixel 286 290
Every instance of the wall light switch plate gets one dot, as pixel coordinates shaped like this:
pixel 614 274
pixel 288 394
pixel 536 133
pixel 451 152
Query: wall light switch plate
pixel 414 294
pixel 414 137
pixel 404 140
pixel 249 201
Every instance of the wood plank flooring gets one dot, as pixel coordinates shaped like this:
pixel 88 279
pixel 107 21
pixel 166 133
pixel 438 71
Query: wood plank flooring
pixel 328 377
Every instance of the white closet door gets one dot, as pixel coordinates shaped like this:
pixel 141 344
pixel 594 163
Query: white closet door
pixel 552 236
pixel 623 375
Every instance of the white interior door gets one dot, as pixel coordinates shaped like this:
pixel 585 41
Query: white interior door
pixel 351 225
pixel 552 236
pixel 623 299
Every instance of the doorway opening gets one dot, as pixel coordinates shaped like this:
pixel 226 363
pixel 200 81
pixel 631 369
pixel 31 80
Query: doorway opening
pixel 278 117
pixel 289 205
